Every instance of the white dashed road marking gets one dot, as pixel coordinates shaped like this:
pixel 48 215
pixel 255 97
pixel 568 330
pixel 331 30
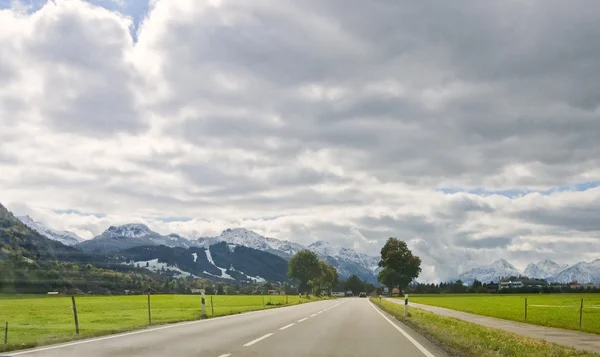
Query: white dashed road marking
pixel 258 340
pixel 304 319
pixel 286 326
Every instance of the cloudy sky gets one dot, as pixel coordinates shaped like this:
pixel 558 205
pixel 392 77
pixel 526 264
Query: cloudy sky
pixel 470 130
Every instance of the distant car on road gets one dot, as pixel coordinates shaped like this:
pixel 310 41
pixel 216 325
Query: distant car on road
pixel 362 295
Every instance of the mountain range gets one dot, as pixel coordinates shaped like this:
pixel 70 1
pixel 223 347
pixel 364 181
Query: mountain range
pixel 221 261
pixel 582 272
pixel 65 237
pixel 119 238
pixel 121 241
pixel 346 261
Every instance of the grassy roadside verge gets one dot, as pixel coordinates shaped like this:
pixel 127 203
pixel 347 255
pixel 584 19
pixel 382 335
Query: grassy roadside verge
pixel 460 338
pixel 37 320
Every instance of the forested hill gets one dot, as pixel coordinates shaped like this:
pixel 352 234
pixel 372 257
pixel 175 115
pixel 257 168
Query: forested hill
pixel 31 263
pixel 17 240
pixel 218 261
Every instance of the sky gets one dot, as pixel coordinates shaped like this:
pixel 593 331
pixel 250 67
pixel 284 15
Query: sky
pixel 468 130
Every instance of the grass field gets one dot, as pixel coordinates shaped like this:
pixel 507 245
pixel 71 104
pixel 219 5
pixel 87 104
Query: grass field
pixel 39 319
pixel 555 310
pixel 470 340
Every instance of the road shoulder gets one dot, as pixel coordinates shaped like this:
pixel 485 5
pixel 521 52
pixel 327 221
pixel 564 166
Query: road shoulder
pixel 422 337
pixel 568 338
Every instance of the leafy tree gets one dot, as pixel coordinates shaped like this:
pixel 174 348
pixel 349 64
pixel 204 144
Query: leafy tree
pixel 400 266
pixel 476 284
pixel 325 280
pixel 304 267
pixel 220 290
pixel 369 288
pixel 458 287
pixel 354 284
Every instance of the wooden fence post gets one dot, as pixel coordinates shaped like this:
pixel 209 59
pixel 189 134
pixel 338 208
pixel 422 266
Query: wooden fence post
pixel 6 333
pixel 75 315
pixel 149 315
pixel 212 306
pixel 580 313
pixel 525 309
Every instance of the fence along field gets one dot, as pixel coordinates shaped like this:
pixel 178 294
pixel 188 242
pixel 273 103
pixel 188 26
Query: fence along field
pixel 38 319
pixel 554 310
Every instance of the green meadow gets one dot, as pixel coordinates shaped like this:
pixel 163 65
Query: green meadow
pixel 554 310
pixel 39 319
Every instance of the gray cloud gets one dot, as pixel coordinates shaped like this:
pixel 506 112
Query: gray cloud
pixel 341 119
pixel 469 73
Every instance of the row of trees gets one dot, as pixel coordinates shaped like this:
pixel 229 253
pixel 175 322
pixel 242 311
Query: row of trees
pixel 478 287
pixel 311 273
pixel 399 268
pixel 354 284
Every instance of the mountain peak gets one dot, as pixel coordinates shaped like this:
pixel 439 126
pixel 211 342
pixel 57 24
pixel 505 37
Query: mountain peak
pixel 503 263
pixel 543 269
pixel 491 272
pixel 65 237
pixel 131 230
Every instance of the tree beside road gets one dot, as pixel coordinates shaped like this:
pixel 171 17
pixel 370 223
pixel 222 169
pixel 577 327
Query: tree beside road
pixel 311 273
pixel 400 266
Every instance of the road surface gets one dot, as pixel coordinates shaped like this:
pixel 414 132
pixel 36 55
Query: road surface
pixel 343 327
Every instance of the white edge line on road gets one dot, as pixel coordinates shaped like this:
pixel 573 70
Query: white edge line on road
pixel 304 319
pixel 225 355
pixel 258 340
pixel 408 337
pixel 313 315
pixel 178 324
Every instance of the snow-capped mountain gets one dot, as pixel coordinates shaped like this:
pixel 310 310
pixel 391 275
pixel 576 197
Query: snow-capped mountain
pixel 346 261
pixel 250 239
pixel 492 272
pixel 552 272
pixel 65 237
pixel 582 272
pixel 344 254
pixel 131 230
pixel 221 261
pixel 544 269
pixel 131 235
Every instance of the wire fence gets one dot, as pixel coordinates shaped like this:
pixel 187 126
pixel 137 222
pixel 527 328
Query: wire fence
pixel 566 311
pixel 27 321
pixel 572 314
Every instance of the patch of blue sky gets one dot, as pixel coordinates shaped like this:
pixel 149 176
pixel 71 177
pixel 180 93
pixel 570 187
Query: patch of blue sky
pixel 28 5
pixel 74 211
pixel 518 192
pixel 135 9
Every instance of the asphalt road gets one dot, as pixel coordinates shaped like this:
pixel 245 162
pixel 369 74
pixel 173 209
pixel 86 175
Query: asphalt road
pixel 342 327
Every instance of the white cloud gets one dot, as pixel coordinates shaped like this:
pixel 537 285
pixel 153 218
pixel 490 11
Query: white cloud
pixel 341 120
